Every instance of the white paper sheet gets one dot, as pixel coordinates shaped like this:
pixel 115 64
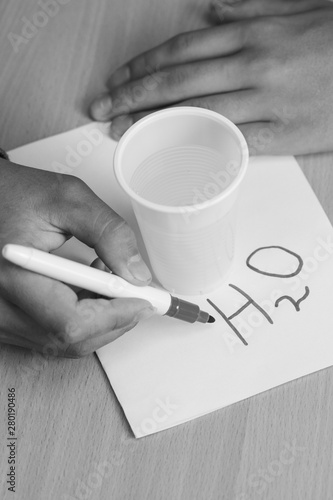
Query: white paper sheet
pixel 166 372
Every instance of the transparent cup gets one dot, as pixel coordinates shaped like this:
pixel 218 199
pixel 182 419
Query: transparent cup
pixel 182 169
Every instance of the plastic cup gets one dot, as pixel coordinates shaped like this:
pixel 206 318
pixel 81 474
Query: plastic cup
pixel 182 169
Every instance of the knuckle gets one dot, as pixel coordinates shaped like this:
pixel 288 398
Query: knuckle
pixel 122 100
pixel 71 333
pixel 141 65
pixel 64 338
pixel 77 351
pixel 122 230
pixel 115 223
pixel 73 187
pixel 251 66
pixel 107 223
pixel 249 60
pixel 269 67
pixel 243 31
pixel 180 43
pixel 116 321
pixel 262 28
pixel 176 78
pixel 151 62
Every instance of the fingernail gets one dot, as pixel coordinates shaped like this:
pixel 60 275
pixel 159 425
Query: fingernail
pixel 146 313
pixel 138 269
pixel 119 77
pixel 101 107
pixel 120 125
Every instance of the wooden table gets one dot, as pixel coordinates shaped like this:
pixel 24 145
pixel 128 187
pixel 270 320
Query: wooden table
pixel 73 439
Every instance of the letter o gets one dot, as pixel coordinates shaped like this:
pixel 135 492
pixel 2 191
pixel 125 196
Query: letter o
pixel 139 93
pixel 149 83
pixel 50 350
pixel 207 190
pixel 40 15
pixel 97 483
pixel 252 319
pixel 84 148
pixel 275 275
pixel 312 261
pixel 224 178
pixel 233 167
pixel 276 472
pixel 148 426
pixel 105 469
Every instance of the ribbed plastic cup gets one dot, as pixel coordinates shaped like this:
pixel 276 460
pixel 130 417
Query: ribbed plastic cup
pixel 182 169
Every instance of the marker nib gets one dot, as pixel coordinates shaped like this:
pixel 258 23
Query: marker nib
pixel 211 319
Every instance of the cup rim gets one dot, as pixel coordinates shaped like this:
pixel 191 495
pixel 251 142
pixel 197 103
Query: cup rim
pixel 159 115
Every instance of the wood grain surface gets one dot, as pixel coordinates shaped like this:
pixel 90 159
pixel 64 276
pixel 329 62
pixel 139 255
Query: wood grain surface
pixel 73 439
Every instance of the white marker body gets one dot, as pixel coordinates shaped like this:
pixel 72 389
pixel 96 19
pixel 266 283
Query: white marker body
pixel 85 277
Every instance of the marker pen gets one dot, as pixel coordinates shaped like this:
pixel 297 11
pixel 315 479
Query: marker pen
pixel 103 283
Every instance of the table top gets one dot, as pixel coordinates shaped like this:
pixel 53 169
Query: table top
pixel 73 439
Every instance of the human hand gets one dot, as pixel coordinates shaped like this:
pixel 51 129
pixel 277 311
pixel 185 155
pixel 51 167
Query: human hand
pixel 42 210
pixel 271 75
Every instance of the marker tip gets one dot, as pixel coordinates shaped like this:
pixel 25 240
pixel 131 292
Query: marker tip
pixel 211 319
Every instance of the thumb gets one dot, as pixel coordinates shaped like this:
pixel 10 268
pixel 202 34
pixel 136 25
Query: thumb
pixel 85 216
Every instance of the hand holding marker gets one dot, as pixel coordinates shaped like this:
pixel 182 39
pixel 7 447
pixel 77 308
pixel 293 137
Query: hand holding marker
pixel 103 283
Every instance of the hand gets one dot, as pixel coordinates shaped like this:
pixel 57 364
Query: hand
pixel 271 75
pixel 42 210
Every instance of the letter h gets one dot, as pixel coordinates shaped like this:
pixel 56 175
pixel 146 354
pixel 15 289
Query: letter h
pixel 249 302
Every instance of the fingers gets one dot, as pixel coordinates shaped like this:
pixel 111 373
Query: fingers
pixel 240 107
pixel 47 301
pixel 54 309
pixel 184 48
pixel 146 73
pixel 89 219
pixel 62 206
pixel 181 83
pixel 111 319
pixel 234 10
